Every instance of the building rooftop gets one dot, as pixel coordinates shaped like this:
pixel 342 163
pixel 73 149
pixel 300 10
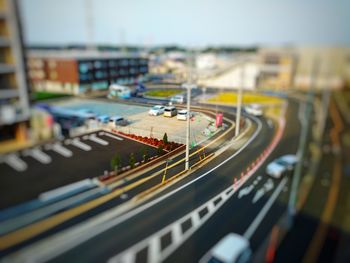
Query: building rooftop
pixel 80 54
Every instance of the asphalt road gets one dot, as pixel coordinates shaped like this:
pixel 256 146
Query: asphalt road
pixel 140 226
pixel 64 170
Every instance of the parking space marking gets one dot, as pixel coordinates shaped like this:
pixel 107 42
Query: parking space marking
pixel 15 162
pixel 113 136
pixel 39 155
pixel 94 138
pixel 77 143
pixel 57 147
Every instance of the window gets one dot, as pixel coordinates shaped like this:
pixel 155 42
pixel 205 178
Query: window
pixel 100 74
pixel 98 64
pixel 84 67
pixel 112 63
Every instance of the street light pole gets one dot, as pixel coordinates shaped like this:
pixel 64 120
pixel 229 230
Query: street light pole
pixel 188 86
pixel 188 126
pixel 302 145
pixel 239 103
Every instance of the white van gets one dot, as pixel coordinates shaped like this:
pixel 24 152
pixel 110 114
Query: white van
pixel 233 248
pixel 170 111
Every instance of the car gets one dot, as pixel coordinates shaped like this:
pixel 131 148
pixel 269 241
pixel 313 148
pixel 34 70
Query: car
pixel 232 248
pixel 281 165
pixel 103 118
pixel 182 115
pixel 254 109
pixel 180 99
pixel 156 110
pixel 118 121
pixel 170 111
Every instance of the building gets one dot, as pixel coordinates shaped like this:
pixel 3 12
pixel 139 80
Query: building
pixel 82 71
pixel 276 68
pixel 14 103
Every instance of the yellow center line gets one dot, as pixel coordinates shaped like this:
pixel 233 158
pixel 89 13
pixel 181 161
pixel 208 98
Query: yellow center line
pixel 39 227
pixel 46 224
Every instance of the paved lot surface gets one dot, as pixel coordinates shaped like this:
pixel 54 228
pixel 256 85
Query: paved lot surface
pixel 145 125
pixel 26 174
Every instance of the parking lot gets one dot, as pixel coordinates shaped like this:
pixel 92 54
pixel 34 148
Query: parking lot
pixel 145 125
pixel 59 163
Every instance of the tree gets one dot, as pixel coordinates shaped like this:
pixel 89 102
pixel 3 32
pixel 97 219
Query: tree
pixel 132 160
pixel 116 163
pixel 160 149
pixel 165 139
pixel 145 155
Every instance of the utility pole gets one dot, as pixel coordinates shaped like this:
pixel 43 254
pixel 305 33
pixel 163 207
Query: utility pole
pixel 302 143
pixel 239 102
pixel 188 86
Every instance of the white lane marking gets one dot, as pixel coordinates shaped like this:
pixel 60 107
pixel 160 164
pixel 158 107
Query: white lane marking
pixel 260 193
pixel 101 133
pixel 48 195
pixel 15 162
pixel 154 250
pixel 270 123
pixel 77 143
pixel 152 242
pixel 245 191
pixel 258 219
pixel 67 141
pixel 113 136
pixel 85 137
pixel 68 239
pixel 39 155
pixel 57 147
pixel 269 185
pixel 93 138
pixel 259 178
pixel 176 234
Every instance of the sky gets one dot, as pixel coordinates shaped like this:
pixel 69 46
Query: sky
pixel 187 22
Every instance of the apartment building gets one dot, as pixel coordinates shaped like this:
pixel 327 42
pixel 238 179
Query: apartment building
pixel 14 103
pixel 81 71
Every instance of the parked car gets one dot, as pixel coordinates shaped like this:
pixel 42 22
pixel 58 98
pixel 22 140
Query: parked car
pixel 232 248
pixel 281 165
pixel 182 115
pixel 103 118
pixel 180 99
pixel 254 109
pixel 156 110
pixel 118 121
pixel 170 111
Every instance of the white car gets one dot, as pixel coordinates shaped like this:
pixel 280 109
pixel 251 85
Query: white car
pixel 180 99
pixel 156 110
pixel 254 109
pixel 279 166
pixel 232 248
pixel 182 115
